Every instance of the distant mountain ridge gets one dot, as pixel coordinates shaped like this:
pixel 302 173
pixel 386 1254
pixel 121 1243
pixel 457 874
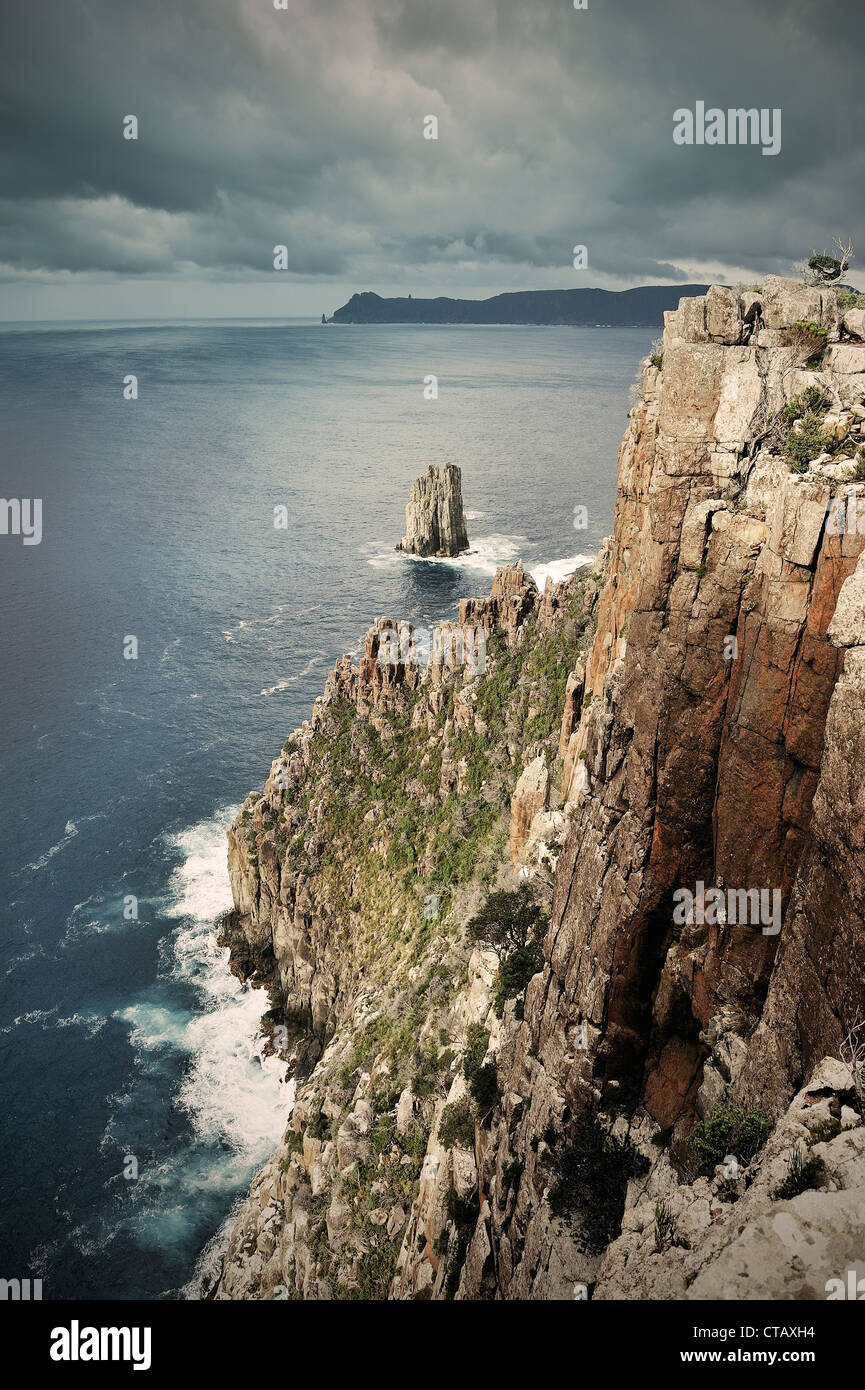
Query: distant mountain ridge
pixel 643 306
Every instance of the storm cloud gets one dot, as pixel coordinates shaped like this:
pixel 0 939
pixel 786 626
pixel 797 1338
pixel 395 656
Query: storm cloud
pixel 304 127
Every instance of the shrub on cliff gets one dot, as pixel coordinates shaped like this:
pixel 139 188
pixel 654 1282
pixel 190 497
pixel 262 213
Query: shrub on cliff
pixel 728 1130
pixel 318 1124
pixel 477 1042
pixel 809 337
pixel 824 268
pixel 803 1172
pixel 811 399
pixel 482 1077
pixel 808 442
pixel 457 1125
pixel 798 430
pixel 512 923
pixel 514 974
pixel 666 1232
pixel 591 1181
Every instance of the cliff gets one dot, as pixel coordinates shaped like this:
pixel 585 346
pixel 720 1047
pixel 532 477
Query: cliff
pixel 435 522
pixel 513 1095
pixel 640 307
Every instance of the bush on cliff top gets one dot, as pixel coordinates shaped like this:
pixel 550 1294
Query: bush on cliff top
pixel 798 430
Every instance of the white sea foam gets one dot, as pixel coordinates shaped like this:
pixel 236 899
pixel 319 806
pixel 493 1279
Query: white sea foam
pixel 23 957
pixel 81 921
pixel 170 650
pixel 243 624
pixel 208 1266
pixel 47 1018
pixel 484 555
pixel 199 886
pixel 559 569
pixel 70 831
pixel 237 1100
pixel 288 681
pixel 230 1091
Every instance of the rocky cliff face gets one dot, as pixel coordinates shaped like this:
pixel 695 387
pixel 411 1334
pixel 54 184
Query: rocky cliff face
pixel 435 523
pixel 383 825
pixel 708 735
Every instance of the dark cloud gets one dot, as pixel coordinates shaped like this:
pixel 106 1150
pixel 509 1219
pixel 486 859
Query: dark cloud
pixel 304 128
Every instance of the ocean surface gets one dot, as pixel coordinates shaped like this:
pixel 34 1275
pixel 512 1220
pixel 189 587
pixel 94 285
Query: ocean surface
pixel 135 1103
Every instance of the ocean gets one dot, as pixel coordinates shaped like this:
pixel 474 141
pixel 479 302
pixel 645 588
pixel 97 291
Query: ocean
pixel 136 1104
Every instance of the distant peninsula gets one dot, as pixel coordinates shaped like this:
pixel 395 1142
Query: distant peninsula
pixel 638 308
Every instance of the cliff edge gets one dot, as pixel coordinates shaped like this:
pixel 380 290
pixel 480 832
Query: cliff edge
pixel 568 940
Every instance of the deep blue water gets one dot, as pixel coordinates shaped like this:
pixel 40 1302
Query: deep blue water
pixel 126 1041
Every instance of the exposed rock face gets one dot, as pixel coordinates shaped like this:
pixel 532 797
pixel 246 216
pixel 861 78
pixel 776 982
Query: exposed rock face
pixel 531 795
pixel 435 523
pixel 703 760
pixel 353 873
pixel 755 1246
pixel 713 731
pixel 513 595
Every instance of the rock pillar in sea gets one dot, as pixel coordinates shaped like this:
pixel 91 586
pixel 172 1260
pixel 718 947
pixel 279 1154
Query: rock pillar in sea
pixel 435 522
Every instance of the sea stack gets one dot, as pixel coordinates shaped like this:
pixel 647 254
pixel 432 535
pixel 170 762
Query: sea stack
pixel 435 522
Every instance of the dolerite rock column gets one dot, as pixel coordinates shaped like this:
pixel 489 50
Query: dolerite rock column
pixel 435 523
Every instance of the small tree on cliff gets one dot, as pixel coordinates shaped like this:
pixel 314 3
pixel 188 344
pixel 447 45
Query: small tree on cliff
pixel 508 920
pixel 512 923
pixel 822 268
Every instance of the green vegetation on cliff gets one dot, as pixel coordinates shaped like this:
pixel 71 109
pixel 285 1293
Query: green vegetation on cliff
pixel 386 832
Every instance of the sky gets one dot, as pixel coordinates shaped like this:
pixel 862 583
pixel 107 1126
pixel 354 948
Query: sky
pixel 304 127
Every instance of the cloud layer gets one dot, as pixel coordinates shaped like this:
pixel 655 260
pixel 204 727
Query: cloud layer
pixel 304 127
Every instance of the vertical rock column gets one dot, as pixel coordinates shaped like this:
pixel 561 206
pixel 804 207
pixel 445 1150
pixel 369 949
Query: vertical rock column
pixel 435 523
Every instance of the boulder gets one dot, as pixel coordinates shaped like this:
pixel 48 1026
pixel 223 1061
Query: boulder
pixel 405 1111
pixel 723 315
pixel 788 301
pixel 854 323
